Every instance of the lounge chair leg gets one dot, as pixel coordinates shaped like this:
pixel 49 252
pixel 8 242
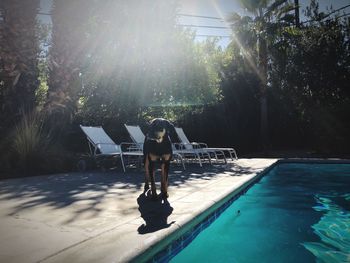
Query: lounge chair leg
pixel 223 155
pixel 231 155
pixel 209 157
pixel 234 152
pixel 122 161
pixel 199 159
pixel 182 162
pixel 225 160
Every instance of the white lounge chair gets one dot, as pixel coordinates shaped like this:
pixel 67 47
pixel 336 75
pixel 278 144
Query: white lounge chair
pixel 102 146
pixel 189 145
pixel 138 137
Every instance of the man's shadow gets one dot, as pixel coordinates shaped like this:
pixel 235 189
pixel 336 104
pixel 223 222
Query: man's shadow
pixel 154 212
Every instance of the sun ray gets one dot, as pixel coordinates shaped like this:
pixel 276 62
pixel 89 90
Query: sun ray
pixel 235 39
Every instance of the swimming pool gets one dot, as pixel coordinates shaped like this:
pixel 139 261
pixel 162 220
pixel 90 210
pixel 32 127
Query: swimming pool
pixel 295 213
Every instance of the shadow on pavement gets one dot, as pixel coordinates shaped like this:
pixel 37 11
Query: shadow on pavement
pixel 64 190
pixel 155 214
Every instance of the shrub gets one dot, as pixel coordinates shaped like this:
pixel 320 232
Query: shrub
pixel 32 150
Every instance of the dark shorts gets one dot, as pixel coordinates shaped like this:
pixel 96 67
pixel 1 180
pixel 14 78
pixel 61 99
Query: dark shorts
pixel 159 149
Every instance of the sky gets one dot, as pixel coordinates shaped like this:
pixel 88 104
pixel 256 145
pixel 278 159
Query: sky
pixel 214 8
pixel 222 8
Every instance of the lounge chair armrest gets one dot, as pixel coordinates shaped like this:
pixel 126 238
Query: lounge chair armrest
pixel 198 145
pixel 178 146
pixel 184 146
pixel 131 147
pixel 203 145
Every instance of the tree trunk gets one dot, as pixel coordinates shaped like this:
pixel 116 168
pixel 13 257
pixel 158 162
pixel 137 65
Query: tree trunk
pixel 262 56
pixel 297 19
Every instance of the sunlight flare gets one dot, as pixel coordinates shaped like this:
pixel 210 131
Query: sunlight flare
pixel 246 54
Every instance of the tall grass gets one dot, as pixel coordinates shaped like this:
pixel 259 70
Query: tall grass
pixel 30 143
pixel 31 148
pixel 29 139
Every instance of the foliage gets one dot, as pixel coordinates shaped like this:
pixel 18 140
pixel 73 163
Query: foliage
pixel 127 62
pixel 307 91
pixel 43 31
pixel 258 32
pixel 19 51
pixel 139 74
pixel 310 74
pixel 69 43
pixel 31 149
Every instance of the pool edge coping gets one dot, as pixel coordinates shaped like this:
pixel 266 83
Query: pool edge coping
pixel 163 242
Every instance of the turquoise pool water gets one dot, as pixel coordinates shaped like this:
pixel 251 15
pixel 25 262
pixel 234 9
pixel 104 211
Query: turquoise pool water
pixel 295 213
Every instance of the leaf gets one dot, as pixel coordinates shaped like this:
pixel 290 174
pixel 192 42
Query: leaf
pixel 16 79
pixel 274 6
pixel 288 18
pixel 284 10
pixel 234 18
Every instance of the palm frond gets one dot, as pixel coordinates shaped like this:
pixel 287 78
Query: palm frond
pixel 246 20
pixel 237 20
pixel 250 5
pixel 289 18
pixel 234 17
pixel 285 10
pixel 274 7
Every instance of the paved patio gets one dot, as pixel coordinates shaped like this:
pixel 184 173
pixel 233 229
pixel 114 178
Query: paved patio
pixel 104 217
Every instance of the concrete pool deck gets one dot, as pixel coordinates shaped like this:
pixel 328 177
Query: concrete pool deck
pixel 104 217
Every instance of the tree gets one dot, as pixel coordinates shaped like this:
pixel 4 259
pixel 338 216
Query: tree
pixel 310 75
pixel 144 65
pixel 67 54
pixel 19 50
pixel 259 28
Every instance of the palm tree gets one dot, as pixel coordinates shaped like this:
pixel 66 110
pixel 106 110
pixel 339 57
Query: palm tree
pixel 19 48
pixel 259 29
